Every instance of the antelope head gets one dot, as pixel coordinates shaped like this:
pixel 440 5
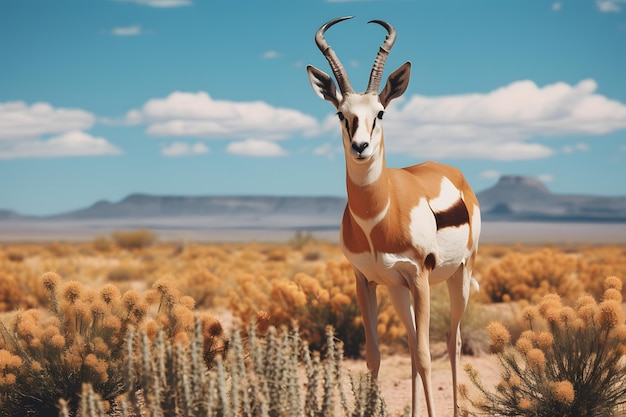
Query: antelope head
pixel 360 114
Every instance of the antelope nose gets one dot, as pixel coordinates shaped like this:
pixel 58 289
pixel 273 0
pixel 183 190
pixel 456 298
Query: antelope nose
pixel 359 147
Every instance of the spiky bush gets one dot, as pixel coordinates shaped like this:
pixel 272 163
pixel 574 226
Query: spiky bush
pixel 275 375
pixel 569 362
pixel 80 339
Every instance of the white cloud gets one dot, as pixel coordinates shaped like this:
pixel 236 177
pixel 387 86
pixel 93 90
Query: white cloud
pixel 500 124
pixel 328 150
pixel 160 3
pixel 610 6
pixel 545 178
pixel 199 115
pixel 490 174
pixel 256 148
pixel 185 149
pixel 26 130
pixel 579 147
pixel 325 149
pixel 72 143
pixel 134 30
pixel 18 120
pixel 557 6
pixel 270 55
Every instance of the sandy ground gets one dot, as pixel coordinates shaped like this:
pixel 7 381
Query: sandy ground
pixel 395 380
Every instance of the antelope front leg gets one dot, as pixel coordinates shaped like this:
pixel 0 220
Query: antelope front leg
pixel 366 295
pixel 421 308
pixel 401 300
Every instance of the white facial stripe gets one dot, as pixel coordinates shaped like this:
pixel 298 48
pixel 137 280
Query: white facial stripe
pixel 364 107
pixel 447 197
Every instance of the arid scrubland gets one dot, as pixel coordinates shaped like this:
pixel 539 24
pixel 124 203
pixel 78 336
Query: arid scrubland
pixel 87 321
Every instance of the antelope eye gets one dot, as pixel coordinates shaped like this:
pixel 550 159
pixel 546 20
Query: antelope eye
pixel 340 115
pixel 380 114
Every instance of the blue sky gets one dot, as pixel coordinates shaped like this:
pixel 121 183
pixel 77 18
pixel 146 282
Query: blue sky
pixel 103 98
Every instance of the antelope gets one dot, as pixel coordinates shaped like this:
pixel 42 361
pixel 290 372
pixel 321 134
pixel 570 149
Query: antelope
pixel 406 228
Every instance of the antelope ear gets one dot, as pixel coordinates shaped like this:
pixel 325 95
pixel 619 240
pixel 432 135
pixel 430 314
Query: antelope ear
pixel 324 86
pixel 396 85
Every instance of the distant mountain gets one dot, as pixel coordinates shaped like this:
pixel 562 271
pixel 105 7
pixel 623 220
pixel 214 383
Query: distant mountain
pixel 8 215
pixel 516 198
pixel 513 198
pixel 143 205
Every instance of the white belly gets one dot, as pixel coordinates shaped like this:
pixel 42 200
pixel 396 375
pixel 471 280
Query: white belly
pixel 383 268
pixel 450 251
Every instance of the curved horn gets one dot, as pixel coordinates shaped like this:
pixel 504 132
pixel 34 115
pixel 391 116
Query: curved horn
pixel 377 70
pixel 335 64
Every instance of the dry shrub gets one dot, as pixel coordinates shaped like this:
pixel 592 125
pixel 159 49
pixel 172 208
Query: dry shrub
pixel 81 338
pixel 203 286
pixel 520 276
pixel 568 362
pixel 277 255
pixel 133 239
pixel 601 261
pixel 15 256
pixel 102 244
pixel 311 254
pixel 61 249
pixel 301 239
pixel 19 288
pixel 14 295
pixel 326 297
pixel 125 272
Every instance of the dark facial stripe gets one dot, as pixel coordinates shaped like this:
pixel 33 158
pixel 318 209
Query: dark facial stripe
pixel 454 216
pixel 355 125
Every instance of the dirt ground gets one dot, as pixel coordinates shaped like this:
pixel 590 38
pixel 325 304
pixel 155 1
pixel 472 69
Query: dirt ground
pixel 395 380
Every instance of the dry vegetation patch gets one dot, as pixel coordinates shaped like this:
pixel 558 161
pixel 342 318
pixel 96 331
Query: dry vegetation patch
pixel 303 281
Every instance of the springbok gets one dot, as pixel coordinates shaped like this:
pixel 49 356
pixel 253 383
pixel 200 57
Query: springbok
pixel 403 228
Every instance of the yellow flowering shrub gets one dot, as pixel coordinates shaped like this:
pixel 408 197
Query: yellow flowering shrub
pixel 520 276
pixel 46 355
pixel 303 280
pixel 568 363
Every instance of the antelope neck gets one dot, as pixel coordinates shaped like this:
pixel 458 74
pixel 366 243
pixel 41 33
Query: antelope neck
pixel 367 187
